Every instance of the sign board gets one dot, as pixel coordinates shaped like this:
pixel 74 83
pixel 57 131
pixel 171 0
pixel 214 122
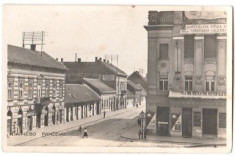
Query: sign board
pixel 152 123
pixel 205 29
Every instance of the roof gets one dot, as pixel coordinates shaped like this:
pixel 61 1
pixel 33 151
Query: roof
pixel 79 93
pixel 99 86
pixel 130 95
pixel 133 85
pixel 25 56
pixel 97 67
pixel 138 79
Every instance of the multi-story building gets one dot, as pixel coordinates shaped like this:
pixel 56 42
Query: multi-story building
pixel 35 90
pixel 80 102
pixel 187 73
pixel 135 89
pixel 106 93
pixel 103 70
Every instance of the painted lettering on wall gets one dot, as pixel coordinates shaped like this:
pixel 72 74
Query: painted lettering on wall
pixel 204 28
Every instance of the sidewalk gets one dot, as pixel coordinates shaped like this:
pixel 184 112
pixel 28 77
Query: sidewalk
pixel 59 128
pixel 132 134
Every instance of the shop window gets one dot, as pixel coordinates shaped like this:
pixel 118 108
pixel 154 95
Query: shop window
pixel 222 120
pixel 197 119
pixel 188 83
pixel 10 88
pixel 163 83
pixel 210 46
pixel 30 85
pixel 163 52
pixel 175 122
pixel 189 46
pixel 21 88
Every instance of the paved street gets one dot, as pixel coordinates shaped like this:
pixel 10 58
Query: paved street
pixel 106 132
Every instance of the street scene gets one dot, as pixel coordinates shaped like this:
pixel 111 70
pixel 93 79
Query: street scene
pixel 164 85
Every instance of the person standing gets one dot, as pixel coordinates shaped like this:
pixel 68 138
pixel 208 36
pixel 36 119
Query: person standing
pixel 139 133
pixel 104 114
pixel 85 133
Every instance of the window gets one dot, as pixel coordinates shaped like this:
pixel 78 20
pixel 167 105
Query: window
pixel 210 86
pixel 39 89
pixel 30 89
pixel 210 46
pixel 54 85
pixel 163 54
pixel 188 46
pixel 188 83
pixel 61 88
pixel 47 88
pixel 21 88
pixel 10 88
pixel 163 83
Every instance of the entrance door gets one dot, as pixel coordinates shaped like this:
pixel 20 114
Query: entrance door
pixel 187 122
pixel 30 122
pixel 163 121
pixel 210 121
pixel 60 115
pixel 38 121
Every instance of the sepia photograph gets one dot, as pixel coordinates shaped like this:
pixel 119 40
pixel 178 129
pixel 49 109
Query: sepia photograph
pixel 109 78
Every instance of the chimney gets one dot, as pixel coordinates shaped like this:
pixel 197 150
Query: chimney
pixel 76 56
pixel 79 60
pixel 56 59
pixel 96 59
pixel 33 46
pixel 62 60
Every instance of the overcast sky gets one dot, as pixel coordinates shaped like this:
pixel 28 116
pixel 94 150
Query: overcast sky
pixel 89 31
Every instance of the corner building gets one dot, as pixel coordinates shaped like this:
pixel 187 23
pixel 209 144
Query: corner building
pixel 187 73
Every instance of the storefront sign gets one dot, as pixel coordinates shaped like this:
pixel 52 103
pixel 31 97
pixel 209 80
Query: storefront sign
pixel 205 29
pixel 175 122
pixel 152 123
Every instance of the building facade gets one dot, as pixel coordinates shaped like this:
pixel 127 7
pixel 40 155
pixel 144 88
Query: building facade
pixel 103 70
pixel 106 93
pixel 187 73
pixel 135 89
pixel 80 102
pixel 35 90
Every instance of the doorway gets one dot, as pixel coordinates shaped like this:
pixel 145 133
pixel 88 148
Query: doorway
pixel 30 123
pixel 210 121
pixel 20 121
pixel 46 117
pixel 163 121
pixel 187 122
pixel 38 120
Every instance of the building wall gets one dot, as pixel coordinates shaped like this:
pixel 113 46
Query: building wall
pixel 27 105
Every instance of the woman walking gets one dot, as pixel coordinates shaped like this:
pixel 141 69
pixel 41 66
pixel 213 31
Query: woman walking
pixel 85 134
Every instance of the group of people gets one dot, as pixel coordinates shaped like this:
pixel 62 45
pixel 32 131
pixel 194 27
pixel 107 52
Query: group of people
pixel 85 133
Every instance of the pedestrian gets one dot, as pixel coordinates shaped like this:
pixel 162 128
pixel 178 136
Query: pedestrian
pixel 139 133
pixel 139 121
pixel 104 114
pixel 85 134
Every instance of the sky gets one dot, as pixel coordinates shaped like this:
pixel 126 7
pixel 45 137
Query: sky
pixel 89 31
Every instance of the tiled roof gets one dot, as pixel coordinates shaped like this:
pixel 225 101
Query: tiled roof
pixel 133 85
pixel 99 86
pixel 79 93
pixel 138 79
pixel 97 67
pixel 130 95
pixel 25 56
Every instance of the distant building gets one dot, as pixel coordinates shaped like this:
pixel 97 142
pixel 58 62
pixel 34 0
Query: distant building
pixel 106 93
pixel 187 72
pixel 140 80
pixel 135 90
pixel 103 70
pixel 80 102
pixel 130 99
pixel 35 90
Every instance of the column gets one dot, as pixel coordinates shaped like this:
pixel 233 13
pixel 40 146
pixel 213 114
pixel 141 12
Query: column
pixel 221 63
